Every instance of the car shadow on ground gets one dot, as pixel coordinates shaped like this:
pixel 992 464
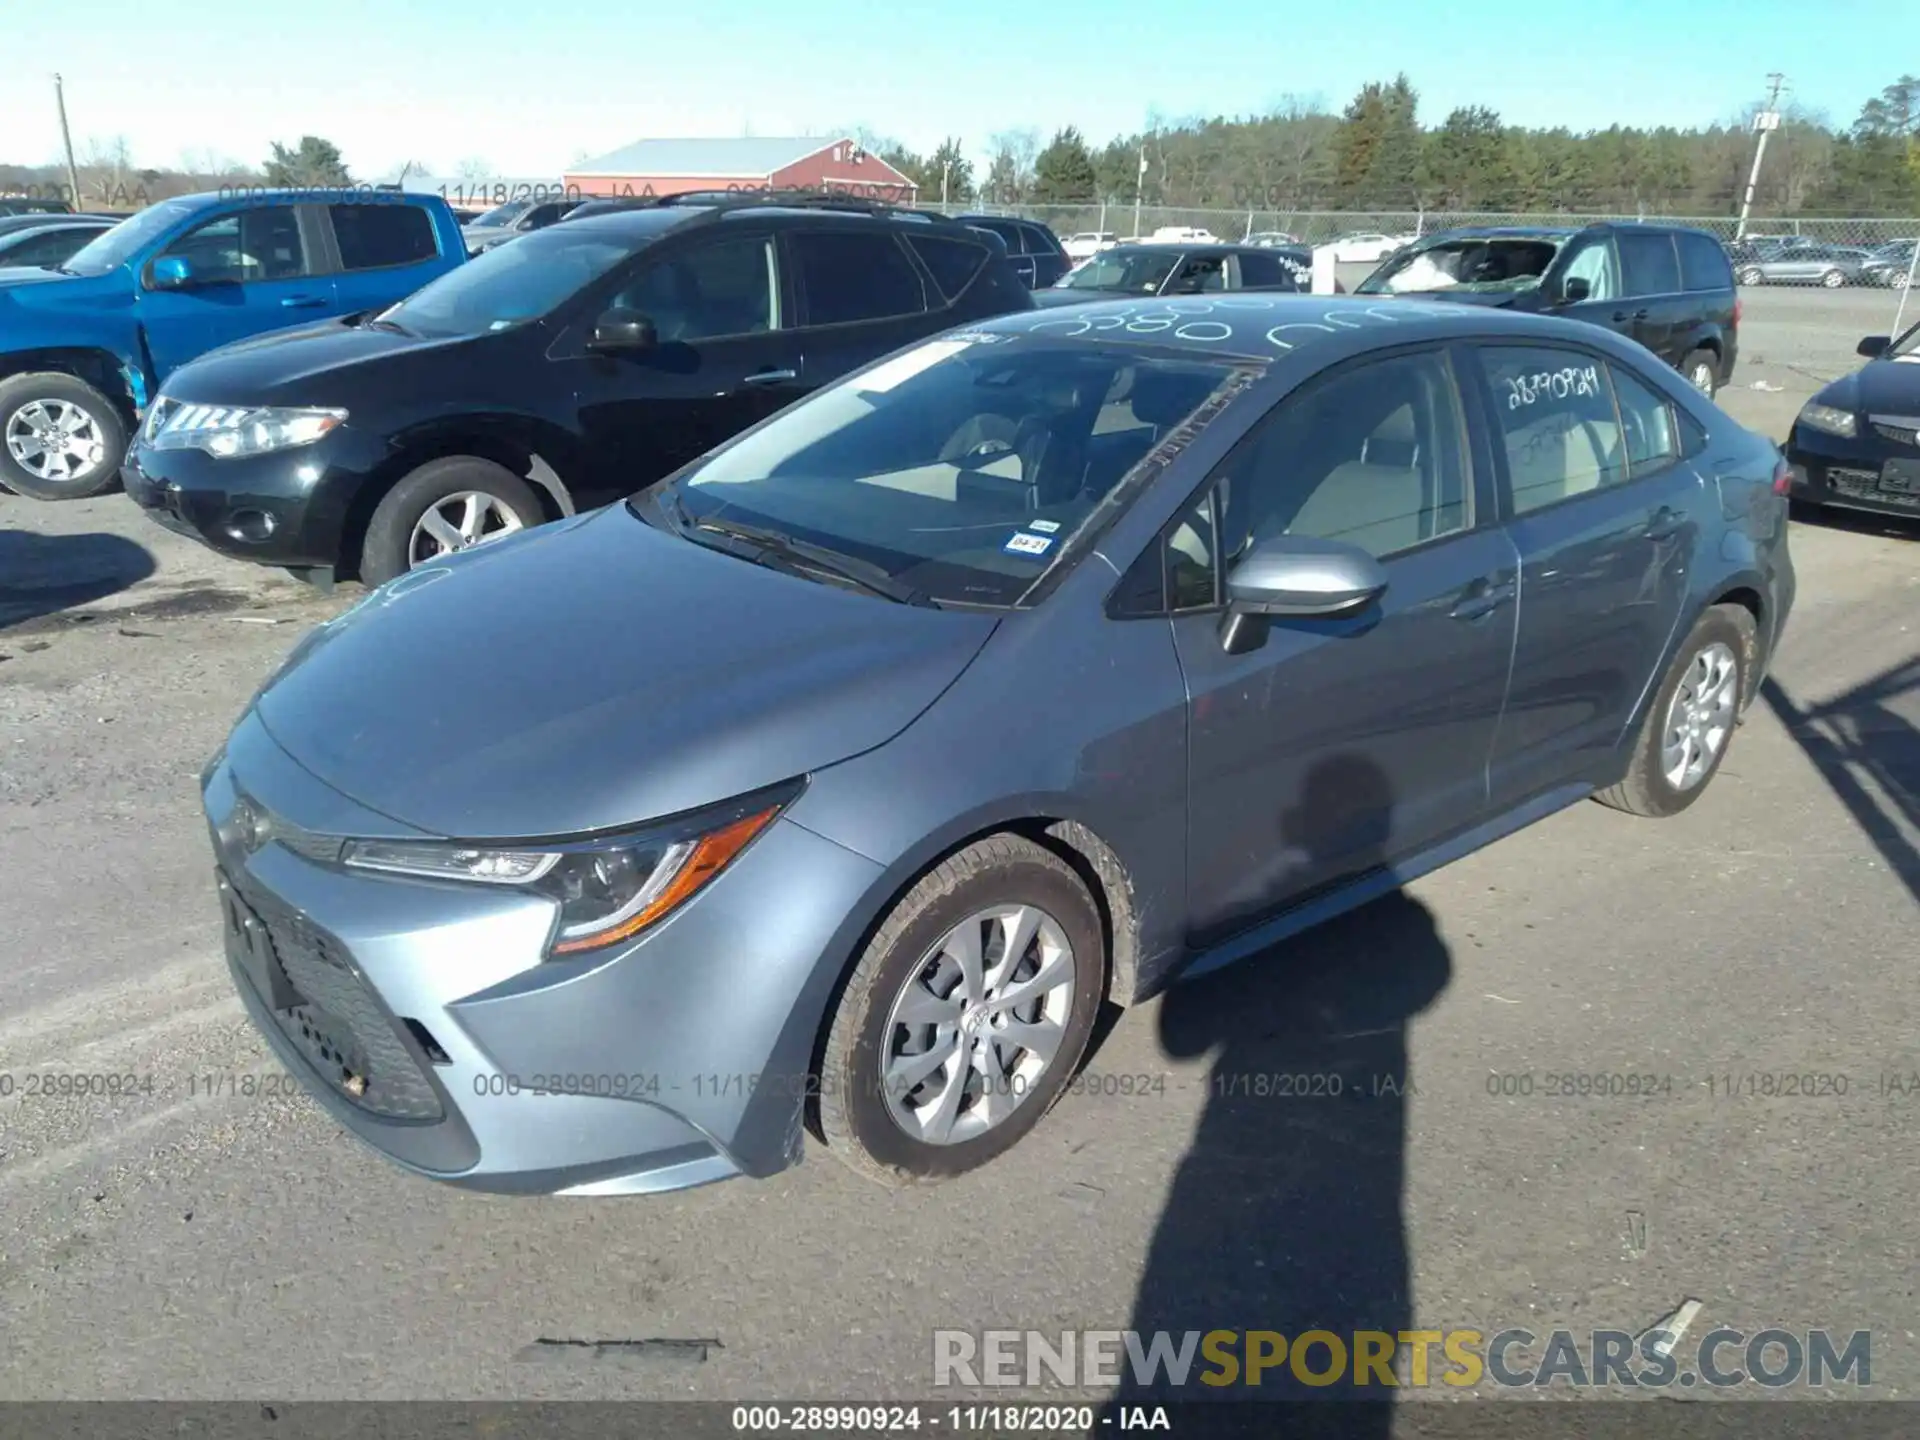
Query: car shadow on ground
pixel 1285 1215
pixel 42 575
pixel 1869 755
pixel 1856 522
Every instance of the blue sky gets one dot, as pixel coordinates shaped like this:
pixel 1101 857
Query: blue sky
pixel 530 87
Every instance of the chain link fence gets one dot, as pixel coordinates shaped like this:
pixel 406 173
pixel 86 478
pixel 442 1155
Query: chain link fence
pixel 1316 226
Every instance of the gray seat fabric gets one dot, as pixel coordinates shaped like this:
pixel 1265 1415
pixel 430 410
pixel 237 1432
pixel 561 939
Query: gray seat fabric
pixel 1377 507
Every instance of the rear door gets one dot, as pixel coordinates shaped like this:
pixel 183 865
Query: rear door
pixel 255 269
pixel 1656 300
pixel 1050 260
pixel 384 251
pixel 860 296
pixel 1015 235
pixel 1606 515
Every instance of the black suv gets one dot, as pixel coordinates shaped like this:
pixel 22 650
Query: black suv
pixel 577 365
pixel 1039 259
pixel 1669 287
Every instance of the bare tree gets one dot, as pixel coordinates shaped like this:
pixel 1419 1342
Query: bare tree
pixel 106 169
pixel 471 169
pixel 1014 152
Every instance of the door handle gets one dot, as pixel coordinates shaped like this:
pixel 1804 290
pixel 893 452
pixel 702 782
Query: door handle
pixel 771 377
pixel 1636 315
pixel 1483 597
pixel 302 302
pixel 1665 523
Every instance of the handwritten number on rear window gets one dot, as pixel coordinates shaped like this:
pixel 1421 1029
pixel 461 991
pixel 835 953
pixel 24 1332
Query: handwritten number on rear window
pixel 1554 384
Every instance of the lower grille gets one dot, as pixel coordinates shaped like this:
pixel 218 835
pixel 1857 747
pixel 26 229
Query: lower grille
pixel 1899 434
pixel 339 1024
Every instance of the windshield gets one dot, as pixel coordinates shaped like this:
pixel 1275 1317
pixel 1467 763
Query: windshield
pixel 1474 263
pixel 1142 272
pixel 962 467
pixel 115 247
pixel 505 214
pixel 511 285
pixel 1907 347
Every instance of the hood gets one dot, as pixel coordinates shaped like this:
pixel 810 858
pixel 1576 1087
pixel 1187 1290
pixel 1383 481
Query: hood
pixel 283 365
pixel 1050 297
pixel 29 275
pixel 1881 387
pixel 597 673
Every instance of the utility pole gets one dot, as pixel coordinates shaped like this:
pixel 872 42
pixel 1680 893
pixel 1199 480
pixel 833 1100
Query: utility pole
pixel 1766 122
pixel 946 172
pixel 1139 189
pixel 73 174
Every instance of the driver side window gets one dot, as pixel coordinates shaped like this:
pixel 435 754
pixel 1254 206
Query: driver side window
pixel 258 244
pixel 1594 263
pixel 722 287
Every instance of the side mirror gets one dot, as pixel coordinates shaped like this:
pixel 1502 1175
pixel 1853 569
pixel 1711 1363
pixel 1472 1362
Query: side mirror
pixel 1575 289
pixel 172 272
pixel 623 330
pixel 1874 346
pixel 1299 577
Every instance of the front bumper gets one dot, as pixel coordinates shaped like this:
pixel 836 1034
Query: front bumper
pixel 284 508
pixel 421 1016
pixel 1870 472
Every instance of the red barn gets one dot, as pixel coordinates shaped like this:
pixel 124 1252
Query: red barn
pixel 671 167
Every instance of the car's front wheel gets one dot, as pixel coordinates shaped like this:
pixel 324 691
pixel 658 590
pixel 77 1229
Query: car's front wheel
pixel 1688 727
pixel 60 439
pixel 445 506
pixel 965 1016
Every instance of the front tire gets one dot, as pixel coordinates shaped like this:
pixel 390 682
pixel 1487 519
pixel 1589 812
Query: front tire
pixel 1689 727
pixel 965 1017
pixel 445 506
pixel 60 439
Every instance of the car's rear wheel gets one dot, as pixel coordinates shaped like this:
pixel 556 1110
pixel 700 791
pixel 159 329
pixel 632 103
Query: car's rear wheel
pixel 1702 369
pixel 1690 724
pixel 60 439
pixel 965 1016
pixel 1833 279
pixel 443 507
pixel 1752 276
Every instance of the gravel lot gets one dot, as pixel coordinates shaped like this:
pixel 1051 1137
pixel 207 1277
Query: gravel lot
pixel 204 1242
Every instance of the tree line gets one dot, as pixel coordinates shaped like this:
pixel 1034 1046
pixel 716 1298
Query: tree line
pixel 1374 155
pixel 1377 155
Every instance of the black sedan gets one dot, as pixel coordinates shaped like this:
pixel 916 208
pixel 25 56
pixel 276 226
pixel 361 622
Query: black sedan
pixel 1856 443
pixel 50 241
pixel 1179 269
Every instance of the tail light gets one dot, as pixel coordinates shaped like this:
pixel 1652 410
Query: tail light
pixel 1782 477
pixel 1739 308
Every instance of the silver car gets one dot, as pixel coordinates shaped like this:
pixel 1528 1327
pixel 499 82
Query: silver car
pixel 1828 265
pixel 844 775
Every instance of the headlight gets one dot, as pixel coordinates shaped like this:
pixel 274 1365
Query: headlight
pixel 240 430
pixel 608 890
pixel 1830 420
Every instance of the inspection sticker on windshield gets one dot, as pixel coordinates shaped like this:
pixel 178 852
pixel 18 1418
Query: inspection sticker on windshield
pixel 1025 544
pixel 1045 527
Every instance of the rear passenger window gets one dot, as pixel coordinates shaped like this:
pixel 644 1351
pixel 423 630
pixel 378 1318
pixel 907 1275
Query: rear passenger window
pixel 372 237
pixel 1558 423
pixel 1647 262
pixel 850 276
pixel 1039 241
pixel 1264 272
pixel 1703 264
pixel 1653 442
pixel 952 263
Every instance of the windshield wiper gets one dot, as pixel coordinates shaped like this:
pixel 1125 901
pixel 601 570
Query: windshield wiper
pixel 774 546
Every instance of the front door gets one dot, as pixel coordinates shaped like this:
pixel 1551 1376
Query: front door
pixel 726 358
pixel 1594 261
pixel 252 271
pixel 1605 514
pixel 1342 745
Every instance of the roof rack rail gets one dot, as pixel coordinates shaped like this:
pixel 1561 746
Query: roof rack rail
pixel 797 199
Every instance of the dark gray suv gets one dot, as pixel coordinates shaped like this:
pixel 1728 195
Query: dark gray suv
pixel 845 774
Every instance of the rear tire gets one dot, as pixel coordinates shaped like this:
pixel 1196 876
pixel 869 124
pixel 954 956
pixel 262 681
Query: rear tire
pixel 1702 369
pixel 393 545
pixel 1715 664
pixel 93 438
pixel 863 1117
pixel 1833 280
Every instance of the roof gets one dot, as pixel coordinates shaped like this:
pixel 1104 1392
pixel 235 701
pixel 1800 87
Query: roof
pixel 1269 325
pixel 744 155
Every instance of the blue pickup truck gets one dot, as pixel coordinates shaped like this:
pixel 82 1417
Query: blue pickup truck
pixel 84 348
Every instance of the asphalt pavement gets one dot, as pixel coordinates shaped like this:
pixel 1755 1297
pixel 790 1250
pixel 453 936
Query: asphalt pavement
pixel 203 1233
